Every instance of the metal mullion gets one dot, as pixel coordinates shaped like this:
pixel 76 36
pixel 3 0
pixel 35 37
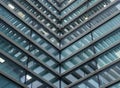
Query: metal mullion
pixel 90 58
pixel 39 12
pixel 38 46
pixel 60 82
pixel 29 25
pixel 73 54
pixel 72 11
pixel 92 29
pixel 26 69
pixel 68 33
pixel 13 80
pixel 28 58
pixel 29 54
pixel 94 73
pixel 81 14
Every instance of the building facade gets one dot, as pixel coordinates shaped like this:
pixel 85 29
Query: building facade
pixel 59 43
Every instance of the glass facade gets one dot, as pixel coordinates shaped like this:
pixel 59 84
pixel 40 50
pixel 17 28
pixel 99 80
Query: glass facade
pixel 59 43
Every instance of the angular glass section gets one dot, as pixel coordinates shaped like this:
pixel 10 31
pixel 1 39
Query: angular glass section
pixel 90 25
pixel 27 45
pixel 78 12
pixel 31 20
pixel 96 34
pixel 27 31
pixel 59 43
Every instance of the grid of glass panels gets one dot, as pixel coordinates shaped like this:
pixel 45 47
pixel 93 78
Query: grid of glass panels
pixel 51 42
pixel 27 45
pixel 106 58
pixel 78 11
pixel 85 17
pixel 96 48
pixel 28 61
pixel 90 25
pixel 40 27
pixel 89 38
pixel 28 32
